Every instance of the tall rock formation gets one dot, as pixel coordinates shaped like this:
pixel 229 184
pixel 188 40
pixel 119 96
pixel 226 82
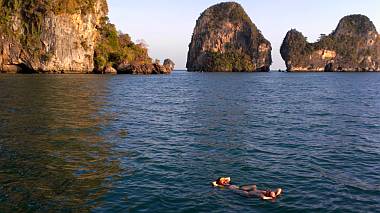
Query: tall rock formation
pixel 67 36
pixel 226 40
pixel 49 35
pixel 353 46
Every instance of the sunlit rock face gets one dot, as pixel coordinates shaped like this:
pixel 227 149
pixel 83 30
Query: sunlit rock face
pixel 226 40
pixel 353 46
pixel 52 36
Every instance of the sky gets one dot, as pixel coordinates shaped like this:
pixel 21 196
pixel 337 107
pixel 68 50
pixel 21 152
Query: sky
pixel 167 25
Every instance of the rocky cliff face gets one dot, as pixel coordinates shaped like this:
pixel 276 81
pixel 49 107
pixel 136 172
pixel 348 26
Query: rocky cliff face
pixel 225 39
pixel 353 46
pixel 49 36
pixel 67 36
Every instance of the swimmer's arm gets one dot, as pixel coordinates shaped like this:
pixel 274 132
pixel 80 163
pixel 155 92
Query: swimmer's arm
pixel 266 198
pixel 233 187
pixel 241 192
pixel 251 187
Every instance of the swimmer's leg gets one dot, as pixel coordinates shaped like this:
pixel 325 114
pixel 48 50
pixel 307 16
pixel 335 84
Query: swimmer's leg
pixel 255 194
pixel 241 192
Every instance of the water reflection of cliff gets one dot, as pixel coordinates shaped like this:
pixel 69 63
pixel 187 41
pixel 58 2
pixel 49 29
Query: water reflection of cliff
pixel 53 150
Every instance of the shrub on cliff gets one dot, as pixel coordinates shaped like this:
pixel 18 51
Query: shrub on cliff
pixel 114 48
pixel 233 61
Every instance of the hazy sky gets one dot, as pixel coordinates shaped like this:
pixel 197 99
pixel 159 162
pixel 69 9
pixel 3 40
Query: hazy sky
pixel 167 25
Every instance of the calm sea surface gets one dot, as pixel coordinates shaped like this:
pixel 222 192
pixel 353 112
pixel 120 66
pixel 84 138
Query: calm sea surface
pixel 74 143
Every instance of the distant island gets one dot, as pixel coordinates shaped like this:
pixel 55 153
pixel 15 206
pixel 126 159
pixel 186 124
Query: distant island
pixel 353 46
pixel 226 40
pixel 68 36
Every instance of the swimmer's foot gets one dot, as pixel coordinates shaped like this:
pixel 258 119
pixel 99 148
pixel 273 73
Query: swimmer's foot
pixel 278 192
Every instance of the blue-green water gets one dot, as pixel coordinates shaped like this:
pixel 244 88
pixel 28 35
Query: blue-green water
pixel 74 143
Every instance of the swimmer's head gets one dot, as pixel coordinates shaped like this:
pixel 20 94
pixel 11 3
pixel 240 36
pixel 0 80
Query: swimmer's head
pixel 223 181
pixel 272 194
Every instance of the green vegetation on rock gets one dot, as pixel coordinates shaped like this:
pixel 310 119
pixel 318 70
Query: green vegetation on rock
pixel 114 48
pixel 231 61
pixel 226 10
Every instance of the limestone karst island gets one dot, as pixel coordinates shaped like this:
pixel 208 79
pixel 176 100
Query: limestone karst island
pixel 353 46
pixel 72 36
pixel 68 36
pixel 226 40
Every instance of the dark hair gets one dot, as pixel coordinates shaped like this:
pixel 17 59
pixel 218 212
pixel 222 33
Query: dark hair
pixel 218 180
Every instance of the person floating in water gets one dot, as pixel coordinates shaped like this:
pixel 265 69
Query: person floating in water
pixel 247 190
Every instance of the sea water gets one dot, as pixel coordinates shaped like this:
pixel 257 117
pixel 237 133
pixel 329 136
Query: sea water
pixel 124 143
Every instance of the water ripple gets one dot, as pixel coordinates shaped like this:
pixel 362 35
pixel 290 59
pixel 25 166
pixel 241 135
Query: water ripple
pixel 153 143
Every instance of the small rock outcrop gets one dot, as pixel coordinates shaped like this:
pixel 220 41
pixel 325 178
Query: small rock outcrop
pixel 353 46
pixel 109 70
pixel 55 36
pixel 145 68
pixel 226 40
pixel 169 64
